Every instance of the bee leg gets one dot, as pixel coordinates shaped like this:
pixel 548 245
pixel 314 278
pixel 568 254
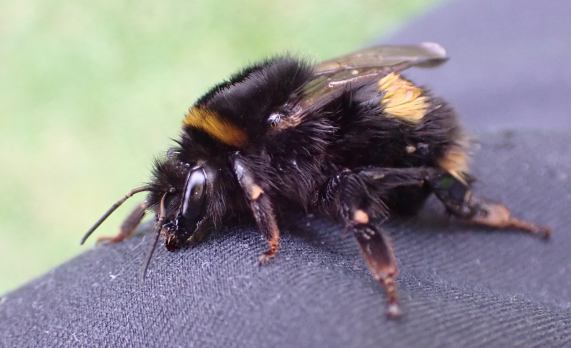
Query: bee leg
pixel 461 202
pixel 356 206
pixel 398 177
pixel 128 226
pixel 202 231
pixel 378 254
pixel 261 207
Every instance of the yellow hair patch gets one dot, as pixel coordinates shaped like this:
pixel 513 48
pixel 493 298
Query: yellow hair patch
pixel 455 162
pixel 402 99
pixel 211 123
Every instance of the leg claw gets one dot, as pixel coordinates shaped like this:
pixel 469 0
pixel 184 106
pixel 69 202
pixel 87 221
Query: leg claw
pixel 393 311
pixel 266 257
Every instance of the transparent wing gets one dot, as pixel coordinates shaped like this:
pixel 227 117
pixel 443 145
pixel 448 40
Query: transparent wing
pixel 335 76
pixel 398 57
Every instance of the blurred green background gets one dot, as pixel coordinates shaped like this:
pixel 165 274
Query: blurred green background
pixel 91 91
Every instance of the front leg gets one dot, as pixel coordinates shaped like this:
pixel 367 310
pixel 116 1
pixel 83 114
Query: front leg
pixel 129 225
pixel 260 205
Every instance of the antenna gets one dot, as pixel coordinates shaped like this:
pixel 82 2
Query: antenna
pixel 112 209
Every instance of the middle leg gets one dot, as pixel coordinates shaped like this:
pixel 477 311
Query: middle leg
pixel 352 198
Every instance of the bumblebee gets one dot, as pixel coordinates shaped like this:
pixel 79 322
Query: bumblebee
pixel 349 138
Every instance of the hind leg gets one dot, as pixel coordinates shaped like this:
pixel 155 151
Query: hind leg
pixel 455 195
pixel 462 203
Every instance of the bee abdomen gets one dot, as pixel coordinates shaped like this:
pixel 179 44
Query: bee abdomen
pixel 395 123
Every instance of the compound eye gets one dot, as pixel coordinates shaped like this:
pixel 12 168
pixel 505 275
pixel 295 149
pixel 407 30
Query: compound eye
pixel 193 199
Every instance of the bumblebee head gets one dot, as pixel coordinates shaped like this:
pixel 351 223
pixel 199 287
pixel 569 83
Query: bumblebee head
pixel 180 196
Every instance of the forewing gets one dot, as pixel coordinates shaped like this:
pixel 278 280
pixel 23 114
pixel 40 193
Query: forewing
pixel 397 57
pixel 335 76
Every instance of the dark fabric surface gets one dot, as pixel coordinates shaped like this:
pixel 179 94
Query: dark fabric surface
pixel 460 286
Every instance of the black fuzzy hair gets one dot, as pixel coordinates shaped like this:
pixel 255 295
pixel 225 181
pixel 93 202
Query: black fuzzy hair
pixel 249 96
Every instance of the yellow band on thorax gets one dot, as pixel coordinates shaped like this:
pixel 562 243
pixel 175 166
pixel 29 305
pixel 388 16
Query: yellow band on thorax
pixel 212 124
